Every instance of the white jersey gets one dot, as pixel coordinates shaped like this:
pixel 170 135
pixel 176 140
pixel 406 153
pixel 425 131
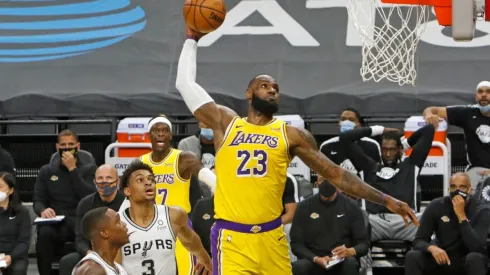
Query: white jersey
pixel 109 270
pixel 151 250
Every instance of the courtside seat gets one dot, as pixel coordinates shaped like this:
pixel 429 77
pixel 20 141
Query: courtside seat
pixel 389 253
pixel 392 244
pixel 65 249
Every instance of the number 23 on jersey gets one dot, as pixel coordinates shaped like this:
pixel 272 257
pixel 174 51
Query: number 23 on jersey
pixel 253 163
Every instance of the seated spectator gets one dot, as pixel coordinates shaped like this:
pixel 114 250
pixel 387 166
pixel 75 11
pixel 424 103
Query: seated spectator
pixel 201 144
pixel 202 217
pixel 326 225
pixel 392 176
pixel 107 195
pixel 15 228
pixel 7 163
pixel 475 121
pixel 58 189
pixel 460 224
pixel 350 119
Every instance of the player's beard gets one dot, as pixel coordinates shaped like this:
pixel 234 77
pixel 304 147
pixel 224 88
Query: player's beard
pixel 264 106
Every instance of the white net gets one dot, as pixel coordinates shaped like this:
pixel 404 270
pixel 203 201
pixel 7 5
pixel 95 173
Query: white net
pixel 390 35
pixel 480 8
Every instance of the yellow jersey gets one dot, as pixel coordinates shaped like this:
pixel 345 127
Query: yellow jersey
pixel 251 166
pixel 172 189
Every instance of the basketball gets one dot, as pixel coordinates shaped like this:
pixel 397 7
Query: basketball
pixel 204 16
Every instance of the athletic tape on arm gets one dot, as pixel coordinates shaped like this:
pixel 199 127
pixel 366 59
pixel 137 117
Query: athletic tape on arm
pixel 208 177
pixel 193 94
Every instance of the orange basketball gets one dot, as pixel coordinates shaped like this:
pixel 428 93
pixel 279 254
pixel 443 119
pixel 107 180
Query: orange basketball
pixel 204 16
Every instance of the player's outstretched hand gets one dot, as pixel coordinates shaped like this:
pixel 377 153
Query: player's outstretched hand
pixel 192 33
pixel 204 266
pixel 402 209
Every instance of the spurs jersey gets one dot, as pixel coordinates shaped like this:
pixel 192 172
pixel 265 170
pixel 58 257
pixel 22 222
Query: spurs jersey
pixel 251 169
pixel 109 270
pixel 172 189
pixel 151 250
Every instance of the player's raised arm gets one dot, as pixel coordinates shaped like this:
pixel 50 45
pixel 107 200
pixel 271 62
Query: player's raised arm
pixel 196 98
pixel 190 240
pixel 303 145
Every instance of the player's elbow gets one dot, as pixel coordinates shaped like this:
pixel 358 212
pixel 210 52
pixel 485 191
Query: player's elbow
pixel 181 83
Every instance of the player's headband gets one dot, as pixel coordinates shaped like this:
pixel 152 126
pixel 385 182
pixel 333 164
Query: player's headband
pixel 160 119
pixel 483 84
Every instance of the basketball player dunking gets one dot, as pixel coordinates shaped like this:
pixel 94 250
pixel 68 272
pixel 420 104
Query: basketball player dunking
pixel 151 249
pixel 252 156
pixel 103 227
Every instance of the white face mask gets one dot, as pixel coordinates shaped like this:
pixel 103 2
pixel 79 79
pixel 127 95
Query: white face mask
pixel 3 196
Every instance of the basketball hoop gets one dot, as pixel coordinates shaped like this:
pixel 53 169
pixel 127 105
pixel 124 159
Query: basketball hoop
pixel 390 31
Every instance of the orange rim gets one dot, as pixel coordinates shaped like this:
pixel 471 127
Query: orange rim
pixel 443 8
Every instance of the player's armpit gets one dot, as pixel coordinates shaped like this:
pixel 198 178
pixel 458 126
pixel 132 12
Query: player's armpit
pixel 90 267
pixel 304 146
pixel 189 239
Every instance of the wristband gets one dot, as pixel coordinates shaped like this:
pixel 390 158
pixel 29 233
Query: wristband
pixel 192 37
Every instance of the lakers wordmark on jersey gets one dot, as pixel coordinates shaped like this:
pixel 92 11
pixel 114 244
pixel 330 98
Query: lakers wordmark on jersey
pixel 251 166
pixel 172 189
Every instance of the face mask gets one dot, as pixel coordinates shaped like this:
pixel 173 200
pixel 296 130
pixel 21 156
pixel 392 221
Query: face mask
pixel 326 189
pixel 207 133
pixel 73 151
pixel 3 196
pixel 464 195
pixel 484 109
pixel 347 125
pixel 106 189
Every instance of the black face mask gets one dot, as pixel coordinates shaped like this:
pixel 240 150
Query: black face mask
pixel 456 192
pixel 73 151
pixel 264 106
pixel 326 189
